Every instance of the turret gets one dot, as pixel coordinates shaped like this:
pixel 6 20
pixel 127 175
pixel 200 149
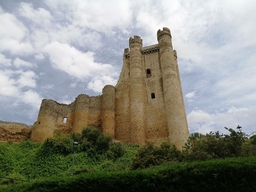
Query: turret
pixel 137 91
pixel 44 127
pixel 173 98
pixel 81 113
pixel 108 110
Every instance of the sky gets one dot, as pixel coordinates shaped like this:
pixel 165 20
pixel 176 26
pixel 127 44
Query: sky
pixel 60 49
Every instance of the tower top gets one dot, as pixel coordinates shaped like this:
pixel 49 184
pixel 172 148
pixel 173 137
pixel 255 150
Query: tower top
pixel 165 31
pixel 135 39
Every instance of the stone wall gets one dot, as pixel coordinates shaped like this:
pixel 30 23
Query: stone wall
pixel 14 132
pixel 66 118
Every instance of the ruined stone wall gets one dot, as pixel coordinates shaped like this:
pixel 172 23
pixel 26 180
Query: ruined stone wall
pixel 55 117
pixel 15 132
pixel 52 117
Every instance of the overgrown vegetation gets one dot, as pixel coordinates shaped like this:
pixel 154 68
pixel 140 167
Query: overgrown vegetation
pixel 94 152
pixel 198 148
pixel 225 175
pixel 97 156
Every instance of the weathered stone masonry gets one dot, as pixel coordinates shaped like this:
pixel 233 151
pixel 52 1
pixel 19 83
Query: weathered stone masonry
pixel 146 105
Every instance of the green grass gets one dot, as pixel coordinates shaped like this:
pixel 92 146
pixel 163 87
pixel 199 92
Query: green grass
pixel 30 161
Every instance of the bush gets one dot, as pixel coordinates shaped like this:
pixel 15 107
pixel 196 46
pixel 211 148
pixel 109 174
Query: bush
pixel 115 151
pixel 216 145
pixel 6 160
pixel 60 144
pixel 151 155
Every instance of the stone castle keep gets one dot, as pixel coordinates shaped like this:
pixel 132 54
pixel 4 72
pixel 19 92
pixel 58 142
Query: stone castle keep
pixel 146 105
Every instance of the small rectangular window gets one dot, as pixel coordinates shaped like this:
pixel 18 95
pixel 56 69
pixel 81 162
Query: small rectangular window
pixel 153 96
pixel 148 72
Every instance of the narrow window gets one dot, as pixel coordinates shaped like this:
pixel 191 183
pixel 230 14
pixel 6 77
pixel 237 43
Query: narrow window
pixel 148 73
pixel 153 96
pixel 65 120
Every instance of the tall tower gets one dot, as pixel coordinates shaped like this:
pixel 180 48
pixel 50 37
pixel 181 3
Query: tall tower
pixel 137 91
pixel 173 98
pixel 81 113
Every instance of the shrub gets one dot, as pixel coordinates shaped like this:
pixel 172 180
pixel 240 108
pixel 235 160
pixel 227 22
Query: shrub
pixel 151 155
pixel 115 151
pixel 6 160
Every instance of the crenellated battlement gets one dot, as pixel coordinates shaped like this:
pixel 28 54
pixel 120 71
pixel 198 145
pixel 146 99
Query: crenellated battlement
pixel 165 31
pixel 135 39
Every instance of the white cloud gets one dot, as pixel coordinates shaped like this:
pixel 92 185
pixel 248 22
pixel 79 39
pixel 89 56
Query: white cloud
pixel 100 16
pixel 12 83
pixel 4 62
pixel 8 85
pixel 26 79
pixel 79 64
pixel 21 63
pixel 32 98
pixel 190 95
pixel 40 16
pixel 203 122
pixel 13 35
pixel 39 56
pixel 97 83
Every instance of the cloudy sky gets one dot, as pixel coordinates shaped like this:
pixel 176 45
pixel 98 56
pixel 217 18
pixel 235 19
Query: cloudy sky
pixel 58 49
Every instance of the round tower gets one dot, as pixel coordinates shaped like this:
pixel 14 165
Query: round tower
pixel 81 113
pixel 44 127
pixel 137 91
pixel 173 98
pixel 108 110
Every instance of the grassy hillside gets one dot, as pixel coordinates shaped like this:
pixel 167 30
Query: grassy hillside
pixel 29 161
pixel 232 174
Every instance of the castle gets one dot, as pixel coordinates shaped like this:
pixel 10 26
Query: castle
pixel 146 105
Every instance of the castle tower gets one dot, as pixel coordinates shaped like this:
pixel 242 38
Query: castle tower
pixel 137 91
pixel 108 110
pixel 81 113
pixel 173 98
pixel 122 101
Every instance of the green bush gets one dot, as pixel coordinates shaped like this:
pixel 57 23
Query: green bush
pixel 216 145
pixel 115 151
pixel 151 155
pixel 225 175
pixel 6 160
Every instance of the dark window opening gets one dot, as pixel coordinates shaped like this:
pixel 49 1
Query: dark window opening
pixel 148 71
pixel 153 96
pixel 65 120
pixel 39 122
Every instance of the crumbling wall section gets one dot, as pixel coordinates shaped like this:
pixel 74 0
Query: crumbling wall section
pixel 15 132
pixel 52 117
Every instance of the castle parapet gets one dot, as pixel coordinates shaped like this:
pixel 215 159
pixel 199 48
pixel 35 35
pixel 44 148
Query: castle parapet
pixel 135 40
pixel 165 31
